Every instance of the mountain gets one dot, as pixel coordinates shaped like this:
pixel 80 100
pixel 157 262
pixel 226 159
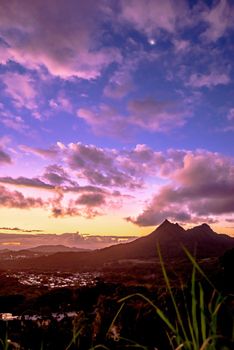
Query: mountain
pixel 170 237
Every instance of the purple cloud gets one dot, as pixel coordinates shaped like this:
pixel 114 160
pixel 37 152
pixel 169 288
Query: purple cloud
pixel 156 115
pixel 99 166
pixel 208 80
pixel 4 157
pixel 66 42
pixel 91 199
pixel 202 187
pixel 21 90
pixel 15 199
pixel 26 182
pixel 230 115
pixel 151 16
pixel 41 152
pixel 148 114
pixel 219 19
pixel 14 122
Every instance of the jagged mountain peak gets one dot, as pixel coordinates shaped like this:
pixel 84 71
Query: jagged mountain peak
pixel 169 225
pixel 167 230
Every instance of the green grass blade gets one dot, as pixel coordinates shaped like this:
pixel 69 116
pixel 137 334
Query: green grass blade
pixel 115 318
pixel 189 323
pixel 202 313
pixel 172 296
pixel 194 307
pixel 75 336
pixel 195 264
pixel 207 342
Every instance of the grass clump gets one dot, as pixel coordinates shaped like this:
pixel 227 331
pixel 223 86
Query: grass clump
pixel 194 325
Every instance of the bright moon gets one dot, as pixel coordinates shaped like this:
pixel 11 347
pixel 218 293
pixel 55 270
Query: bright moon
pixel 151 41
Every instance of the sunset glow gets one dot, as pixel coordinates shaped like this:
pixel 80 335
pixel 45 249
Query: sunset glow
pixel 116 115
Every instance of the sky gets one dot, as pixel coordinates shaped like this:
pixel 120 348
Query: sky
pixel 115 115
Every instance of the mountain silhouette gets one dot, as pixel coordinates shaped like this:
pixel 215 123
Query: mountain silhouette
pixel 200 240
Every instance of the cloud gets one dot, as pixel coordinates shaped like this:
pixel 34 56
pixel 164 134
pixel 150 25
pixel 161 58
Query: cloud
pixel 15 199
pixel 27 240
pixel 16 123
pixel 230 115
pixel 21 90
pixel 156 115
pixel 17 229
pixel 61 103
pixel 105 120
pixel 56 175
pixel 26 182
pixel 148 114
pixel 66 39
pixel 89 203
pixel 4 157
pixel 99 166
pixel 121 83
pixel 208 80
pixel 202 188
pixel 41 152
pixel 100 169
pixel 181 46
pixel 91 199
pixel 219 18
pixel 152 16
pixel 192 184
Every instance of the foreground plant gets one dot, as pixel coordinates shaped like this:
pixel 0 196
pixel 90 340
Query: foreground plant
pixel 198 328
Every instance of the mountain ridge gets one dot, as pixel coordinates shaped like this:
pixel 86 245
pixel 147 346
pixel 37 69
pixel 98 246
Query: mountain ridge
pixel 171 237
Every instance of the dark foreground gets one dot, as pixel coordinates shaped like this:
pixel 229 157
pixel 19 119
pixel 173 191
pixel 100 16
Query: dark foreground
pixel 95 316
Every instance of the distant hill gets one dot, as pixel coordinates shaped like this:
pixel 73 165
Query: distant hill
pixel 170 237
pixel 39 251
pixel 50 248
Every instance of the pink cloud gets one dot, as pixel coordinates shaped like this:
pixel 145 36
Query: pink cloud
pixel 202 188
pixel 26 182
pixel 15 199
pixel 105 167
pixel 20 88
pixel 105 120
pixel 16 123
pixel 61 103
pixel 121 82
pixel 156 115
pixel 4 157
pixel 230 115
pixel 181 46
pixel 148 113
pixel 41 152
pixel 65 41
pixel 219 18
pixel 99 166
pixel 151 16
pixel 208 80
